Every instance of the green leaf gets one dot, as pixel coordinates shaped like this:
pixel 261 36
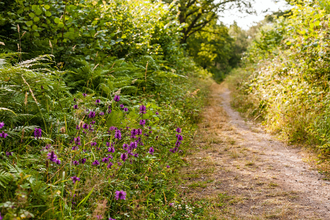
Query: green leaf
pixel 47 7
pixel 32 15
pixel 48 13
pixel 57 20
pixel 36 19
pixel 60 24
pixel 34 27
pixel 29 23
pixel 38 12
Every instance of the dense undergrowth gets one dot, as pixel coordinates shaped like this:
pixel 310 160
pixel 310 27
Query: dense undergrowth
pixel 97 128
pixel 285 81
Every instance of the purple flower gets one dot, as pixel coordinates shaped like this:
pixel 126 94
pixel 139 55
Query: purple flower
pixel 98 101
pixel 143 109
pixel 119 164
pixel 52 156
pixel 77 127
pixel 37 133
pixel 125 146
pixel 157 113
pixel 75 106
pixel 125 109
pixel 121 106
pixel 151 150
pixel 96 163
pixel 92 122
pixel 93 144
pixel 133 145
pixel 142 122
pixel 85 126
pixel 136 155
pixel 84 94
pixel 111 149
pixel 118 135
pixel 75 148
pixel 117 98
pixel 2 217
pixel 77 140
pixel 75 162
pixel 168 166
pixel 171 204
pixel 91 114
pixel 109 111
pixel 101 113
pixel 3 134
pixel 179 130
pixel 177 144
pixel 2 124
pixel 180 138
pixel 9 154
pixel 109 165
pixel 112 128
pixel 123 157
pixel 75 179
pixel 83 160
pixel 120 195
pixel 139 131
pixel 105 160
pixel 58 162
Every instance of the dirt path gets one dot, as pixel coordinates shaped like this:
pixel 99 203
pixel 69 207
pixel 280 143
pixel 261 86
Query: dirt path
pixel 247 174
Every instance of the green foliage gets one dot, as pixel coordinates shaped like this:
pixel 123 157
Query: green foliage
pixel 289 89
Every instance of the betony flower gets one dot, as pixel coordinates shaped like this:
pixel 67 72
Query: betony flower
pixel 125 146
pixel 109 165
pixel 9 154
pixel 120 195
pixel 180 138
pixel 96 163
pixel 121 106
pixel 139 131
pixel 92 122
pixel 52 156
pixel 77 140
pixel 37 133
pixel 109 111
pixel 118 135
pixel 124 157
pixel 117 98
pixel 91 114
pixel 98 101
pixel 157 113
pixel 142 122
pixel 105 160
pixel 151 150
pixel 101 113
pixel 179 130
pixel 84 94
pixel 2 124
pixel 125 109
pixel 75 162
pixel 143 109
pixel 83 160
pixel 3 134
pixel 111 149
pixel 112 128
pixel 75 106
pixel 177 144
pixel 58 162
pixel 75 179
pixel 85 126
pixel 93 144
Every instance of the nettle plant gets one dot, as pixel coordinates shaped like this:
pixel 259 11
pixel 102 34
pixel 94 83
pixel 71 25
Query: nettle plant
pixel 103 165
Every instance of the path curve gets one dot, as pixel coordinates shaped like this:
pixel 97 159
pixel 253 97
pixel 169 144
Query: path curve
pixel 253 165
